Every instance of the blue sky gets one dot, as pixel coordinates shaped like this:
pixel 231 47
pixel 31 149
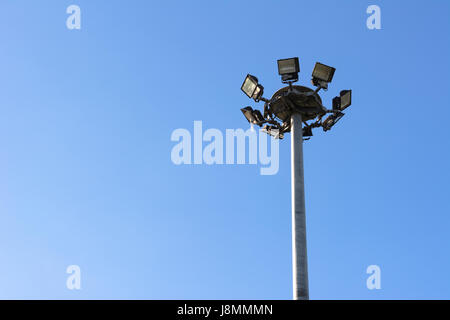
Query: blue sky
pixel 86 176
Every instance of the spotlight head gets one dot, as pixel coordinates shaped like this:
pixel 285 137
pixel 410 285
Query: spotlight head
pixel 346 99
pixel 323 72
pixel 329 122
pixel 273 131
pixel 253 116
pixel 343 101
pixel 307 132
pixel 248 114
pixel 322 75
pixel 288 69
pixel 251 88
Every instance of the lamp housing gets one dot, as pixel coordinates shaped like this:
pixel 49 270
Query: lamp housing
pixel 346 99
pixel 329 122
pixel 343 101
pixel 253 116
pixel 307 131
pixel 249 85
pixel 288 69
pixel 323 72
pixel 248 114
pixel 322 75
pixel 273 131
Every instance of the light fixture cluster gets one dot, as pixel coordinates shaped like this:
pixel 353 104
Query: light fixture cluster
pixel 286 101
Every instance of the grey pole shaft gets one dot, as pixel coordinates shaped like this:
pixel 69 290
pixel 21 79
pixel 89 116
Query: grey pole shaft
pixel 299 256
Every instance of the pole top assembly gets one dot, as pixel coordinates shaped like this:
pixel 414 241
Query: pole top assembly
pixel 295 99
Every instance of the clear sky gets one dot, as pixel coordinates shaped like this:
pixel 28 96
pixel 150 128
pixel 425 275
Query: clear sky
pixel 86 176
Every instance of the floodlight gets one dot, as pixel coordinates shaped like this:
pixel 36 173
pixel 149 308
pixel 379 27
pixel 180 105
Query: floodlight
pixel 322 75
pixel 323 72
pixel 273 131
pixel 346 99
pixel 307 131
pixel 248 114
pixel 250 85
pixel 329 122
pixel 253 116
pixel 343 101
pixel 288 69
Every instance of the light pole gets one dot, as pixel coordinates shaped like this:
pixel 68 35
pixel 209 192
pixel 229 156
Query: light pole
pixel 287 111
pixel 299 256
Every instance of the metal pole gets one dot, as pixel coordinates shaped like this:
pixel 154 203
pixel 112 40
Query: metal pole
pixel 299 257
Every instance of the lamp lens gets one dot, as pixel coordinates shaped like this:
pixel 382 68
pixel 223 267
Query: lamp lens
pixel 287 66
pixel 346 99
pixel 249 86
pixel 323 72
